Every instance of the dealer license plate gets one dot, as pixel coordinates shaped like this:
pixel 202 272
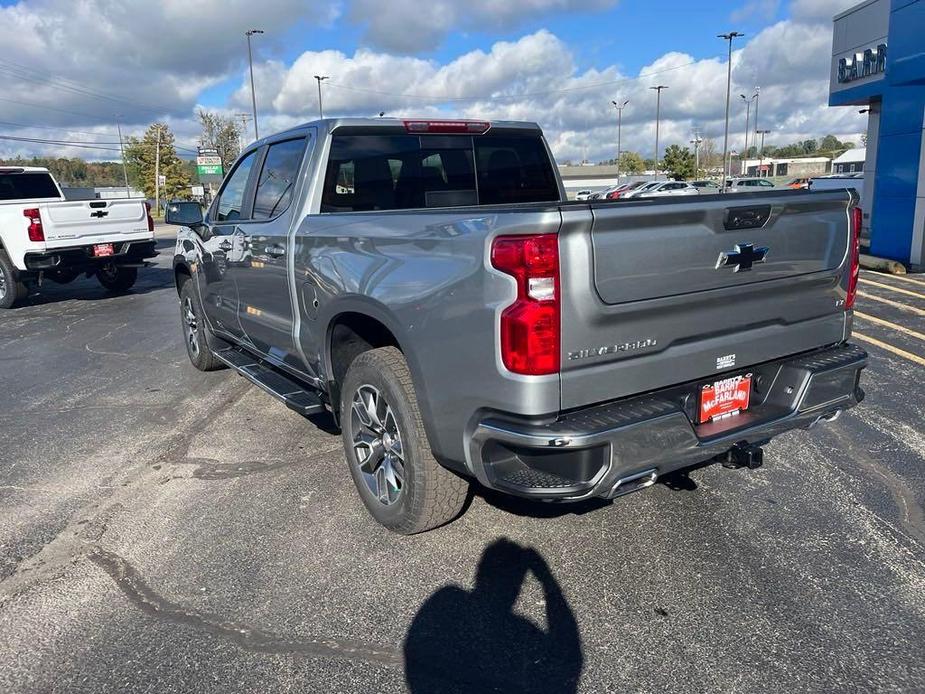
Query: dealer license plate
pixel 724 398
pixel 102 249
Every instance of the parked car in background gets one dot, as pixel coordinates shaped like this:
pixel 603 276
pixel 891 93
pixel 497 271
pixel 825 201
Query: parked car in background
pixel 583 194
pixel 665 188
pixel 706 186
pixel 43 236
pixel 748 185
pixel 797 183
pixel 622 190
pixel 644 186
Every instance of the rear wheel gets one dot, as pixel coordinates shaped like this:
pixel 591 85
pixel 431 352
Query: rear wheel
pixel 11 289
pixel 196 333
pixel 115 278
pixel 400 482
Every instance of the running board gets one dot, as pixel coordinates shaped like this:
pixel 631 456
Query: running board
pixel 296 396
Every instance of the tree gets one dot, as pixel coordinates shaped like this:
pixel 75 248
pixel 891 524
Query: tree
pixel 678 162
pixel 631 163
pixel 221 133
pixel 809 146
pixel 709 157
pixel 141 159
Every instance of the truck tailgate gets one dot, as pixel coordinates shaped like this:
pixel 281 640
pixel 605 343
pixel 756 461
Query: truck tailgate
pixel 663 292
pixel 93 221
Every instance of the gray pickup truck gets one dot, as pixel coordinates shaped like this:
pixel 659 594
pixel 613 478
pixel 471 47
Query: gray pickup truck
pixel 428 284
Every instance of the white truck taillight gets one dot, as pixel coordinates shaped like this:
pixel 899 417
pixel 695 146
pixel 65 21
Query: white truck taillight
pixel 854 250
pixel 150 218
pixel 36 232
pixel 530 327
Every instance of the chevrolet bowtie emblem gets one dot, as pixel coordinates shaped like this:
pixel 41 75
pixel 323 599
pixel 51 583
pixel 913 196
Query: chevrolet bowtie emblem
pixel 742 258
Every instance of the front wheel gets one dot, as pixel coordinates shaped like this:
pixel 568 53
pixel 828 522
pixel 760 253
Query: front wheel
pixel 400 482
pixel 11 289
pixel 196 333
pixel 115 278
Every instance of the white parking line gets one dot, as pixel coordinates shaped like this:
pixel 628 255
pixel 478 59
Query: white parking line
pixel 894 304
pixel 891 326
pixel 902 278
pixel 891 288
pixel 890 348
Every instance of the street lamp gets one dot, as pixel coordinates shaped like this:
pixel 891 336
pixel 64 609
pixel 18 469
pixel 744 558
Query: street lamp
pixel 320 79
pixel 250 63
pixel 619 108
pixel 658 104
pixel 697 141
pixel 761 149
pixel 748 107
pixel 728 37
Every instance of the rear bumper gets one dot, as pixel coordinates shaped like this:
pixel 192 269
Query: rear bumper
pixel 81 258
pixel 612 448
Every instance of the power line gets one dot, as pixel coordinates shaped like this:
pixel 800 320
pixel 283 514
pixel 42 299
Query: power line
pixel 81 145
pixel 50 127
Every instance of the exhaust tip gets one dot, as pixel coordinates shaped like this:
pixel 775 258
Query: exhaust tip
pixel 633 483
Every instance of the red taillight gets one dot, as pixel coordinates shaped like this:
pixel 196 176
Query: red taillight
pixel 150 218
pixel 36 232
pixel 530 326
pixel 854 269
pixel 458 127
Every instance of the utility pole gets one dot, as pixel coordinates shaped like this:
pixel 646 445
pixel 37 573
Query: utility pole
pixel 696 142
pixel 748 107
pixel 757 93
pixel 244 118
pixel 250 62
pixel 658 105
pixel 619 108
pixel 128 192
pixel 761 151
pixel 727 37
pixel 320 79
pixel 157 173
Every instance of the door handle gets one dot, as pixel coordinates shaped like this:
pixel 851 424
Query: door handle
pixel 276 250
pixel 224 246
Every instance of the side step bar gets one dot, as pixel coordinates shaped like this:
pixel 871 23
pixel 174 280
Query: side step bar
pixel 297 397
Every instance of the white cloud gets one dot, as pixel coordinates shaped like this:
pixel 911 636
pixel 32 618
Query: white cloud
pixel 407 26
pixel 762 10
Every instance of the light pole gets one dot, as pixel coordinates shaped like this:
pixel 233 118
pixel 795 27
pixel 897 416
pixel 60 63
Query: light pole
pixel 658 105
pixel 696 142
pixel 748 108
pixel 250 63
pixel 157 172
pixel 727 37
pixel 757 93
pixel 619 108
pixel 761 150
pixel 244 118
pixel 128 192
pixel 320 79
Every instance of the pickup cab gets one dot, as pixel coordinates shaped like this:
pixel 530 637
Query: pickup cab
pixel 43 236
pixel 428 284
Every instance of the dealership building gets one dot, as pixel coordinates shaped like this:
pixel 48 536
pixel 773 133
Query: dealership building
pixel 878 66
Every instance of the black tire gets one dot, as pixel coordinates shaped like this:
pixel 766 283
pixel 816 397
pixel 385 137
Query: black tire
pixel 429 494
pixel 196 333
pixel 115 278
pixel 11 288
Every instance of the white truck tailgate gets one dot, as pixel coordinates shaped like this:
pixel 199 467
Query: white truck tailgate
pixel 86 221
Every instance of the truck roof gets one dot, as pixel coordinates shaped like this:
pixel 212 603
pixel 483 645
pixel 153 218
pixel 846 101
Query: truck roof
pixel 8 168
pixel 398 125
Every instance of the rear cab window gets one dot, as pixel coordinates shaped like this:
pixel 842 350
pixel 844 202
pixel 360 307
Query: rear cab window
pixel 400 172
pixel 37 185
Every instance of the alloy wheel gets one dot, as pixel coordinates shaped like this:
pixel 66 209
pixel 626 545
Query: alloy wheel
pixel 377 444
pixel 191 325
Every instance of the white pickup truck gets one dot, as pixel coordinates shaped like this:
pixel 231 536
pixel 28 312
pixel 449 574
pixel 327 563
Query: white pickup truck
pixel 43 236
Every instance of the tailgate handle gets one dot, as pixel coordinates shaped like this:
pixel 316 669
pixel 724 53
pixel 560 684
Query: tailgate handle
pixel 753 217
pixel 96 205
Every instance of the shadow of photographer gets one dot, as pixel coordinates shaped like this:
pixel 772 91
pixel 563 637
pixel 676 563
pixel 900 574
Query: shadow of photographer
pixel 472 641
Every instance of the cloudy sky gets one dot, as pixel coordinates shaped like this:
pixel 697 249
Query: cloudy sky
pixel 69 67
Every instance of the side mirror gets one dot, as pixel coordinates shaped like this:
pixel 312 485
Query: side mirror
pixel 184 214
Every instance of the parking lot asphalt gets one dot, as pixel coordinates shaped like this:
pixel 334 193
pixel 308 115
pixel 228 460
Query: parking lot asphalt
pixel 165 530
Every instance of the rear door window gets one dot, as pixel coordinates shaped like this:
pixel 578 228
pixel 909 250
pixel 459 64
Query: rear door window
pixel 27 186
pixel 398 172
pixel 278 178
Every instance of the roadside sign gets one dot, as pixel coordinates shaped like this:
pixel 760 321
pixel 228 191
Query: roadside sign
pixel 198 190
pixel 208 160
pixel 162 180
pixel 209 170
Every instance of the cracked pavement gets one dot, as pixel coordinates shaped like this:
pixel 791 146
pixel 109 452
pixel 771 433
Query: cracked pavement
pixel 164 530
